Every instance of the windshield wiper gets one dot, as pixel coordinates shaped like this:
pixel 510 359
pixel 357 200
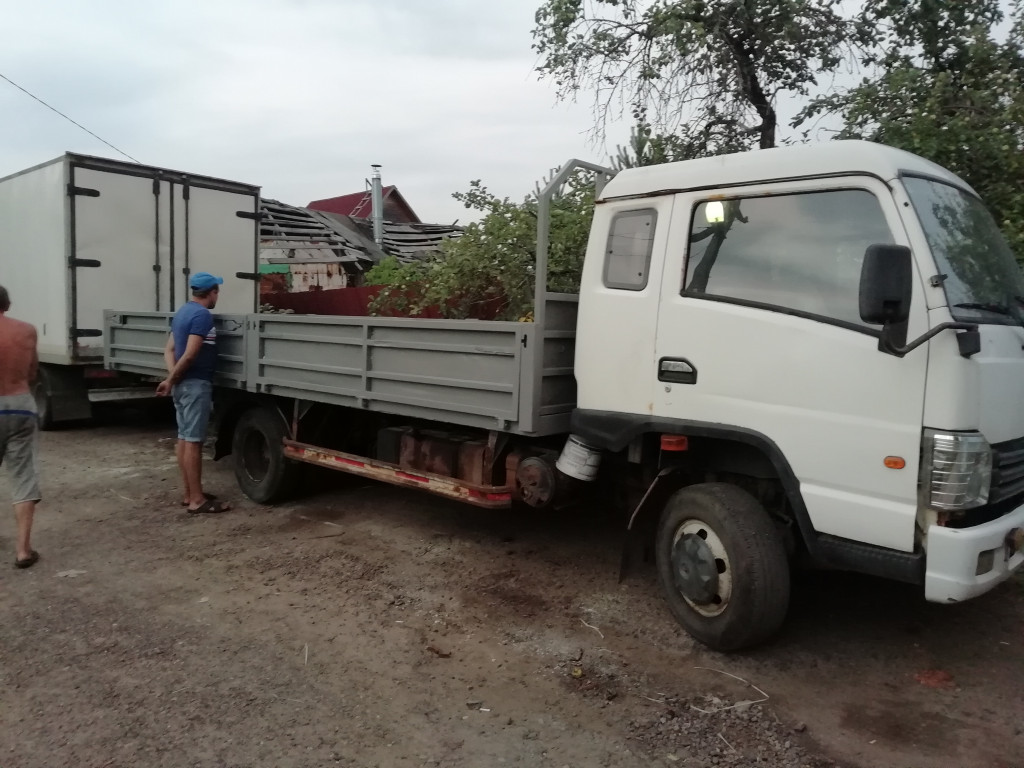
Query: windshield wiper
pixel 997 309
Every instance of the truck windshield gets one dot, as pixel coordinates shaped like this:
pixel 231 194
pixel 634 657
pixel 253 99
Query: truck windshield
pixel 982 279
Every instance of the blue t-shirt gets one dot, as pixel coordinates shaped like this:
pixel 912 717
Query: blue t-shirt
pixel 196 320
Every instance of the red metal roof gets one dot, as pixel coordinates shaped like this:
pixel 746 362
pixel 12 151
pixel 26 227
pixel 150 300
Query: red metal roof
pixel 360 205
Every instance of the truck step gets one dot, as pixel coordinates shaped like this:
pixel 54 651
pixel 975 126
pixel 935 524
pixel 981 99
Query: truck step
pixel 486 496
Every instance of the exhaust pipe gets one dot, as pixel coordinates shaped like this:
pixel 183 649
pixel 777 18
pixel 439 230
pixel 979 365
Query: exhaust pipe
pixel 377 202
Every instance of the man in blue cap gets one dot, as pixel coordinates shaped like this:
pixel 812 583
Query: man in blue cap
pixel 191 357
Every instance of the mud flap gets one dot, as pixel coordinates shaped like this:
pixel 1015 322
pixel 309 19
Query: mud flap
pixel 62 395
pixel 646 514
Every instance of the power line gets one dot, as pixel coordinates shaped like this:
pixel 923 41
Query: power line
pixel 54 109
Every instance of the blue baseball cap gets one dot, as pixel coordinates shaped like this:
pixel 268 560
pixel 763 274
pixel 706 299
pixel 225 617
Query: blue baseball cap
pixel 204 281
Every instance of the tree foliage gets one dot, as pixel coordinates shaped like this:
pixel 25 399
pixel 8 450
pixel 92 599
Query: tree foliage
pixel 706 72
pixel 646 147
pixel 703 77
pixel 944 85
pixel 489 271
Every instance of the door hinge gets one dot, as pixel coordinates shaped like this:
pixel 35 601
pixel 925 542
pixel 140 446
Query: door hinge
pixel 82 191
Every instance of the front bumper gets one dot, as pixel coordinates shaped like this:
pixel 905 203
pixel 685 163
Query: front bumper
pixel 952 563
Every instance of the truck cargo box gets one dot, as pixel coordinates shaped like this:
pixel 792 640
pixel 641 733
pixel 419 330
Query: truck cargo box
pixel 80 234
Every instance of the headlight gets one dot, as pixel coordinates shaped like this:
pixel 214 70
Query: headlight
pixel 956 469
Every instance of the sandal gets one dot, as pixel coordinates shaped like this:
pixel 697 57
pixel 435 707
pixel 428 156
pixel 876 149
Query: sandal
pixel 209 497
pixel 27 562
pixel 210 507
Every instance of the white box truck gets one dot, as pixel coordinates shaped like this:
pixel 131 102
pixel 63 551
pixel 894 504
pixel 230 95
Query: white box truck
pixel 80 234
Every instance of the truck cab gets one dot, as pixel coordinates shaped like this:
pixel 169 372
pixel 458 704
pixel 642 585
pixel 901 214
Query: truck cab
pixel 833 337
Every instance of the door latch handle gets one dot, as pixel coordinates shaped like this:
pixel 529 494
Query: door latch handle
pixel 677 370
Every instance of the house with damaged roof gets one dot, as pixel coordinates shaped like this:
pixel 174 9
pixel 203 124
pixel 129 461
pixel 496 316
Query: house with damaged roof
pixel 332 243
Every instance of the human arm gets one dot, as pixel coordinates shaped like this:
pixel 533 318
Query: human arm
pixel 33 363
pixel 169 360
pixel 195 343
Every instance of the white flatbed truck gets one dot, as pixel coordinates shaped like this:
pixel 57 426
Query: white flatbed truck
pixel 809 354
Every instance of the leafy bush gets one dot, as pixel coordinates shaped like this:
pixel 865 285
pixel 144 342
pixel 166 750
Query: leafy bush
pixel 489 271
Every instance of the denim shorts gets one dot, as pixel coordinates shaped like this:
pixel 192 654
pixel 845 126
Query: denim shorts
pixel 193 401
pixel 18 445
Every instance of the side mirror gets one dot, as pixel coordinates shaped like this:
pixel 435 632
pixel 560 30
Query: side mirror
pixel 886 284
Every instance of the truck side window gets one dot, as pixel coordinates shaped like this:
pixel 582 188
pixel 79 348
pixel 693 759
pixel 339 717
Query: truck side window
pixel 800 252
pixel 628 255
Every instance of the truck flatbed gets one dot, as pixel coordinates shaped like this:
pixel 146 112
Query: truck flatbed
pixel 504 376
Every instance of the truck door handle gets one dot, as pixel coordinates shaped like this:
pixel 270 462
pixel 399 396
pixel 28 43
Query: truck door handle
pixel 676 370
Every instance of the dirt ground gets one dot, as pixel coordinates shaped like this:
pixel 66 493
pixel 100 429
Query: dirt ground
pixel 365 625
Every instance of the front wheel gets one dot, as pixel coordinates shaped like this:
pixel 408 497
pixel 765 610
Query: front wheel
pixel 722 565
pixel 261 469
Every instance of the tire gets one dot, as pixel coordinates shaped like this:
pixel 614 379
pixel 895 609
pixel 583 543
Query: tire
pixel 44 401
pixel 722 565
pixel 261 469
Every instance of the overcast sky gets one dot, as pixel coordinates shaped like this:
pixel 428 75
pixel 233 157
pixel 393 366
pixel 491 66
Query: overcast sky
pixel 298 96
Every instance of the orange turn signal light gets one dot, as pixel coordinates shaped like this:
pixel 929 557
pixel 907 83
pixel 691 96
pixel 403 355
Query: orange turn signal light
pixel 674 443
pixel 895 462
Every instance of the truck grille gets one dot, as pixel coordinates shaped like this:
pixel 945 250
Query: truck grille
pixel 1007 471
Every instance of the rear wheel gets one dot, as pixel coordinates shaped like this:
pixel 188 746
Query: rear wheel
pixel 261 469
pixel 44 400
pixel 722 565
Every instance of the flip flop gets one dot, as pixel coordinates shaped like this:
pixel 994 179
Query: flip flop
pixel 28 562
pixel 209 497
pixel 210 507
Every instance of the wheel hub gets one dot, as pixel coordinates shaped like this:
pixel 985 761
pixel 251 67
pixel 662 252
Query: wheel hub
pixel 256 456
pixel 696 573
pixel 535 482
pixel 701 569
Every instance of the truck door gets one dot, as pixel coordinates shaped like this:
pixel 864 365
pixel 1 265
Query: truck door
pixel 213 237
pixel 137 235
pixel 618 319
pixel 120 245
pixel 759 333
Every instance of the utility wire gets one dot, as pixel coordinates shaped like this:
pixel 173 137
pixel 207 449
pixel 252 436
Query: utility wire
pixel 54 109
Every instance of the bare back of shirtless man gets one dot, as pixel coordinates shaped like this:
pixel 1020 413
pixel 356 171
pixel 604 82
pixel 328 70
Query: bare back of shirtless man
pixel 18 422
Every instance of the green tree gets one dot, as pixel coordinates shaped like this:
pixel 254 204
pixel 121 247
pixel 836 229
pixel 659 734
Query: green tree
pixel 490 268
pixel 646 147
pixel 708 73
pixel 945 86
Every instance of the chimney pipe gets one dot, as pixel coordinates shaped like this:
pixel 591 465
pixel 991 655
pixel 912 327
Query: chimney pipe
pixel 377 199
